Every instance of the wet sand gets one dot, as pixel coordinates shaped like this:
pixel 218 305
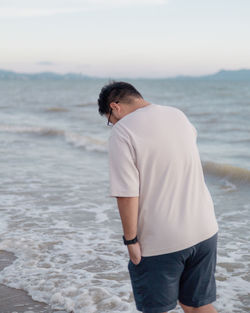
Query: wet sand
pixel 16 300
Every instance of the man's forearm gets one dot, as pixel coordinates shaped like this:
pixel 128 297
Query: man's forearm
pixel 128 209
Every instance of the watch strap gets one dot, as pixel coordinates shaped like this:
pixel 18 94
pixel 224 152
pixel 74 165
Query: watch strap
pixel 129 242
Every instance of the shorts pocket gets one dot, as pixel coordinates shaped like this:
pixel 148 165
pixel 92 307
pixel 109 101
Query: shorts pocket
pixel 136 265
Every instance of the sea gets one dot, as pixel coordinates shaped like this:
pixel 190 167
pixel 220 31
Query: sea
pixel 56 214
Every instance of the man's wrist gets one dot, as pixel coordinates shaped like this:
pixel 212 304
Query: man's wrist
pixel 129 242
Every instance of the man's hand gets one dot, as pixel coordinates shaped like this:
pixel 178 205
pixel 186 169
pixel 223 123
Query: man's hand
pixel 135 253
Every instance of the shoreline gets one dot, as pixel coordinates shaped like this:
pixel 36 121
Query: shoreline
pixel 18 300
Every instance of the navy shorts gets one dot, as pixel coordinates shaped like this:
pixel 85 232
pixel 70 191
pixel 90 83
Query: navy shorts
pixel 188 276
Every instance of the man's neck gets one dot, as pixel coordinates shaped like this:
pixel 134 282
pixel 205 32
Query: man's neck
pixel 139 103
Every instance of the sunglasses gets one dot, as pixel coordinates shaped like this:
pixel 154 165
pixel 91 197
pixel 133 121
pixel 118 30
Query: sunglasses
pixel 110 112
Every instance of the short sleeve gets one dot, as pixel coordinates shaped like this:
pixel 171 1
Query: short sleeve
pixel 194 129
pixel 123 173
pixel 187 119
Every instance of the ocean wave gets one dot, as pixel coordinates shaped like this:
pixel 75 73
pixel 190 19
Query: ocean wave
pixel 94 144
pixel 230 129
pixel 56 109
pixel 239 140
pixel 31 129
pixel 87 142
pixel 84 104
pixel 227 171
pixel 78 140
pixel 200 113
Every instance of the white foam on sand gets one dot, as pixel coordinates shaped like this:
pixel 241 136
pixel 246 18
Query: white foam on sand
pixel 71 257
pixel 81 269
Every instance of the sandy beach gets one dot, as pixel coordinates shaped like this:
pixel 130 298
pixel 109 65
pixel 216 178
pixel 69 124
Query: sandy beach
pixel 16 300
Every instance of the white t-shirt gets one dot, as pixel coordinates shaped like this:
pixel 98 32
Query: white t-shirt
pixel 153 154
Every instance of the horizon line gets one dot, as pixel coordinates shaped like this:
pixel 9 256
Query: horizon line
pixel 139 77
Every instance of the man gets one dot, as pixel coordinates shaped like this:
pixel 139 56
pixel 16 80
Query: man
pixel 166 210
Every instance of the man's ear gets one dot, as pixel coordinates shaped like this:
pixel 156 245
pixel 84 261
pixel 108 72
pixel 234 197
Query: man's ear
pixel 115 106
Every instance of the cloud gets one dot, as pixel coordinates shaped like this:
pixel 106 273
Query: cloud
pixel 29 12
pixel 45 63
pixel 78 6
pixel 126 2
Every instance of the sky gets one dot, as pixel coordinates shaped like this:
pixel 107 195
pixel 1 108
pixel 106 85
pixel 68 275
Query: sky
pixel 125 38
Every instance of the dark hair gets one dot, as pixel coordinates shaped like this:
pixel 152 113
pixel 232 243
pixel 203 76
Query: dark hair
pixel 116 91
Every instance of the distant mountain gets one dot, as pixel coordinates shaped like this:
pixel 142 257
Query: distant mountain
pixel 243 74
pixel 236 75
pixel 41 76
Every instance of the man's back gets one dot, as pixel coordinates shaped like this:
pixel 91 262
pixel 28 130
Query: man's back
pixel 165 207
pixel 158 160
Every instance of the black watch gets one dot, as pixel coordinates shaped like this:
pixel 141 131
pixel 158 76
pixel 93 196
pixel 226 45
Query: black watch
pixel 129 242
